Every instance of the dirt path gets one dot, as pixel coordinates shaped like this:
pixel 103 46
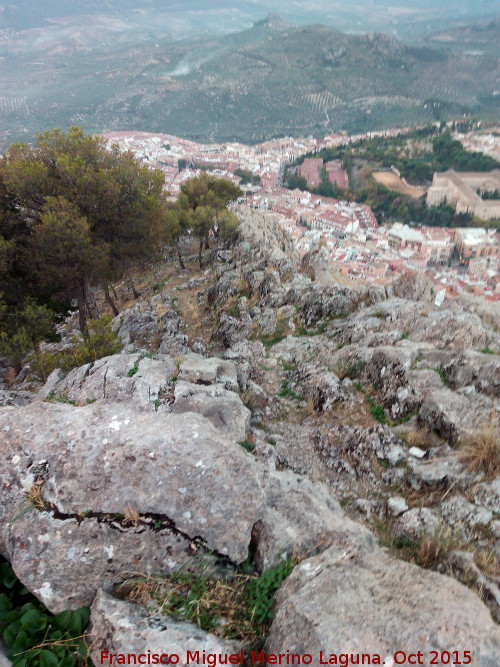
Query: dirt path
pixel 393 182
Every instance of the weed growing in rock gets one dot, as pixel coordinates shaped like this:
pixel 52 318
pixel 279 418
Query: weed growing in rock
pixel 480 450
pixel 134 369
pixel 34 637
pixel 377 411
pixel 246 444
pixel 285 391
pixel 237 608
pixel 443 377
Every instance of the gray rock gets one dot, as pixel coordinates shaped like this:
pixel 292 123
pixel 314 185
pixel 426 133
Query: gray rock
pixel 16 398
pixel 416 523
pixel 457 511
pixel 122 627
pixel 397 505
pixel 103 458
pixel 222 407
pixel 141 381
pixel 326 391
pixel 359 601
pixel 301 519
pixel 200 370
pixel 487 494
pixel 453 414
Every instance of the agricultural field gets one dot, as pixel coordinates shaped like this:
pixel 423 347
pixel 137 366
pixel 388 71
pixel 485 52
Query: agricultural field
pixel 267 81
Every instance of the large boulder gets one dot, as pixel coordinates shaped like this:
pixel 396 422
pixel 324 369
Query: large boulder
pixel 350 601
pixel 302 519
pixel 139 380
pixel 199 370
pixel 165 471
pixel 454 414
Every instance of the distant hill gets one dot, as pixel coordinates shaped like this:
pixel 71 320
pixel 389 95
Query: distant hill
pixel 266 81
pixel 481 37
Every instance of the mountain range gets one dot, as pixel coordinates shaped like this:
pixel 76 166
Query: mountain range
pixel 270 80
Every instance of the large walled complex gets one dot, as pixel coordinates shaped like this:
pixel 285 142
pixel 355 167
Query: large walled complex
pixel 460 190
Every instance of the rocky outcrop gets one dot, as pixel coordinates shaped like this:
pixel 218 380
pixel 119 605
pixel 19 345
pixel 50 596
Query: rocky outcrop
pixel 172 472
pixel 353 601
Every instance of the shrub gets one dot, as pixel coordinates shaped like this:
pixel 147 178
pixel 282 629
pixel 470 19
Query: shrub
pixel 97 341
pixel 32 635
pixel 246 444
pixel 377 411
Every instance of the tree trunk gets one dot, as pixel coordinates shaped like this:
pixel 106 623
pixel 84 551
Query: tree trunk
pixel 132 287
pixel 200 258
pixel 181 261
pixel 114 292
pixel 87 307
pixel 110 300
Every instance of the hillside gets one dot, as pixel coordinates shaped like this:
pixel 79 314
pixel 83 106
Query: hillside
pixel 262 416
pixel 480 38
pixel 252 85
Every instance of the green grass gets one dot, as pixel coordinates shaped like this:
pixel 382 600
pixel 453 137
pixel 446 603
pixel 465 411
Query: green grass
pixel 239 607
pixel 377 411
pixel 286 392
pixel 487 350
pixel 443 377
pixel 134 369
pixel 246 444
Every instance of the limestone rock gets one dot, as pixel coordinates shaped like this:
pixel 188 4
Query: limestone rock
pixel 122 627
pixel 222 407
pixel 361 601
pixel 416 523
pixel 301 518
pixel 199 370
pixel 136 379
pixel 101 458
pixel 455 413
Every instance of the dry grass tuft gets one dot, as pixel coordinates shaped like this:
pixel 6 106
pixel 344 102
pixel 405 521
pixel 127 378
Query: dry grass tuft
pixel 432 549
pixel 480 450
pixel 35 497
pixel 488 562
pixel 417 437
pixel 131 515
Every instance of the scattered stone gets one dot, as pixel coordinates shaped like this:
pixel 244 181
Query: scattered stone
pixel 397 505
pixel 417 452
pixel 416 523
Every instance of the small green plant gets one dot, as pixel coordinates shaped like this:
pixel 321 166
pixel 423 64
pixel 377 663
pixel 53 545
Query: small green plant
pixel 487 350
pixel 97 341
pixel 260 592
pixel 134 369
pixel 288 367
pixel 246 444
pixel 33 636
pixel 238 607
pixel 60 398
pixel 381 314
pixel 91 400
pixel 443 377
pixel 377 411
pixel 272 442
pixel 358 386
pixel 157 404
pixel 285 391
pixel 404 335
